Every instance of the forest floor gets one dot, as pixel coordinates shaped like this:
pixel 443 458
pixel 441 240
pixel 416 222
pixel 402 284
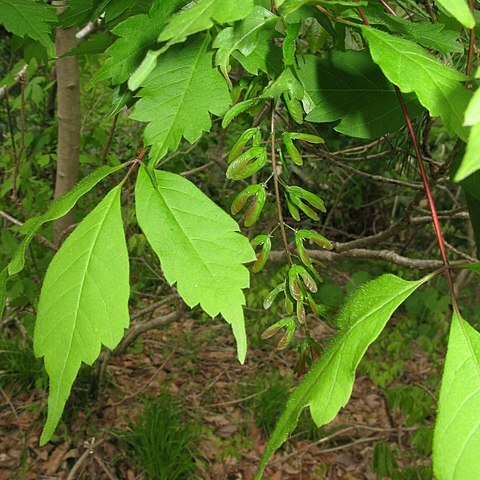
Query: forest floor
pixel 198 366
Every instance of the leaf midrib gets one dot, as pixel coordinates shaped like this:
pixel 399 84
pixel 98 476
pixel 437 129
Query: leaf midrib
pixel 69 348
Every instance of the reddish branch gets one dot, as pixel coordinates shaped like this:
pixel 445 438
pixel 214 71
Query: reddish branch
pixel 428 192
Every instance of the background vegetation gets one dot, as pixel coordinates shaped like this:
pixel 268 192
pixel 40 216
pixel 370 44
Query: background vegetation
pixel 171 401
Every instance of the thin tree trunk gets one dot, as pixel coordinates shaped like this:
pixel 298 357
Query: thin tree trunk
pixel 68 101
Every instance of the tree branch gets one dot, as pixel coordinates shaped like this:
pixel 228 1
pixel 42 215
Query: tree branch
pixel 384 255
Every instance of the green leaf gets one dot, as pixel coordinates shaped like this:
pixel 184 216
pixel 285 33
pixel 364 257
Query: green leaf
pixel 200 16
pixel 3 290
pixel 328 385
pixel 179 94
pixel 266 56
pixel 412 69
pixel 84 301
pixel 474 267
pixel 116 7
pixel 473 204
pixel 471 160
pixel 286 82
pixel 287 7
pixel 198 247
pixel 348 86
pixel 243 36
pixel 137 35
pixel 95 44
pixel 80 12
pixel 29 18
pixel 430 35
pixel 456 441
pixel 458 9
pixel 57 209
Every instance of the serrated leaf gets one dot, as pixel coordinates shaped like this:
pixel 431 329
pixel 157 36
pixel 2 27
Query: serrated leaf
pixel 430 35
pixel 96 44
pixel 179 95
pixel 84 301
pixel 456 441
pixel 328 385
pixel 287 7
pixel 117 7
pixel 57 209
pixel 198 246
pixel 243 36
pixel 80 12
pixel 200 15
pixel 349 86
pixel 137 35
pixel 412 69
pixel 460 10
pixel 287 82
pixel 29 18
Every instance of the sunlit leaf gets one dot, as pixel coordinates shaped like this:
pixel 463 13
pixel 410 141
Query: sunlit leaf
pixel 57 209
pixel 412 69
pixel 456 441
pixel 84 301
pixel 460 10
pixel 178 96
pixel 328 384
pixel 198 246
pixel 201 15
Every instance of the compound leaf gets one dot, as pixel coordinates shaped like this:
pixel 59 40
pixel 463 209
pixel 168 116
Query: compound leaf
pixel 328 384
pixel 84 301
pixel 178 95
pixel 349 86
pixel 57 209
pixel 200 16
pixel 29 18
pixel 412 69
pixel 198 247
pixel 456 441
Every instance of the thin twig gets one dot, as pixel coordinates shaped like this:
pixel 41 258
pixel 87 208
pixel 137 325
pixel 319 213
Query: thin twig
pixel 109 139
pixel 425 181
pixel 39 237
pixel 471 42
pixel 275 181
pixel 364 253
pixel 21 149
pixel 81 460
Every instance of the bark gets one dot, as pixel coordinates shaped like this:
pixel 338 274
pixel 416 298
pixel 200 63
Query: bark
pixel 69 115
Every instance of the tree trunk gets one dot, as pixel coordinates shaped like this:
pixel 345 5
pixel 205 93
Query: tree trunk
pixel 68 149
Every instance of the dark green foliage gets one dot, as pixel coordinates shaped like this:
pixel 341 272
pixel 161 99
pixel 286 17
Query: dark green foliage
pixel 269 403
pixel 18 366
pixel 162 443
